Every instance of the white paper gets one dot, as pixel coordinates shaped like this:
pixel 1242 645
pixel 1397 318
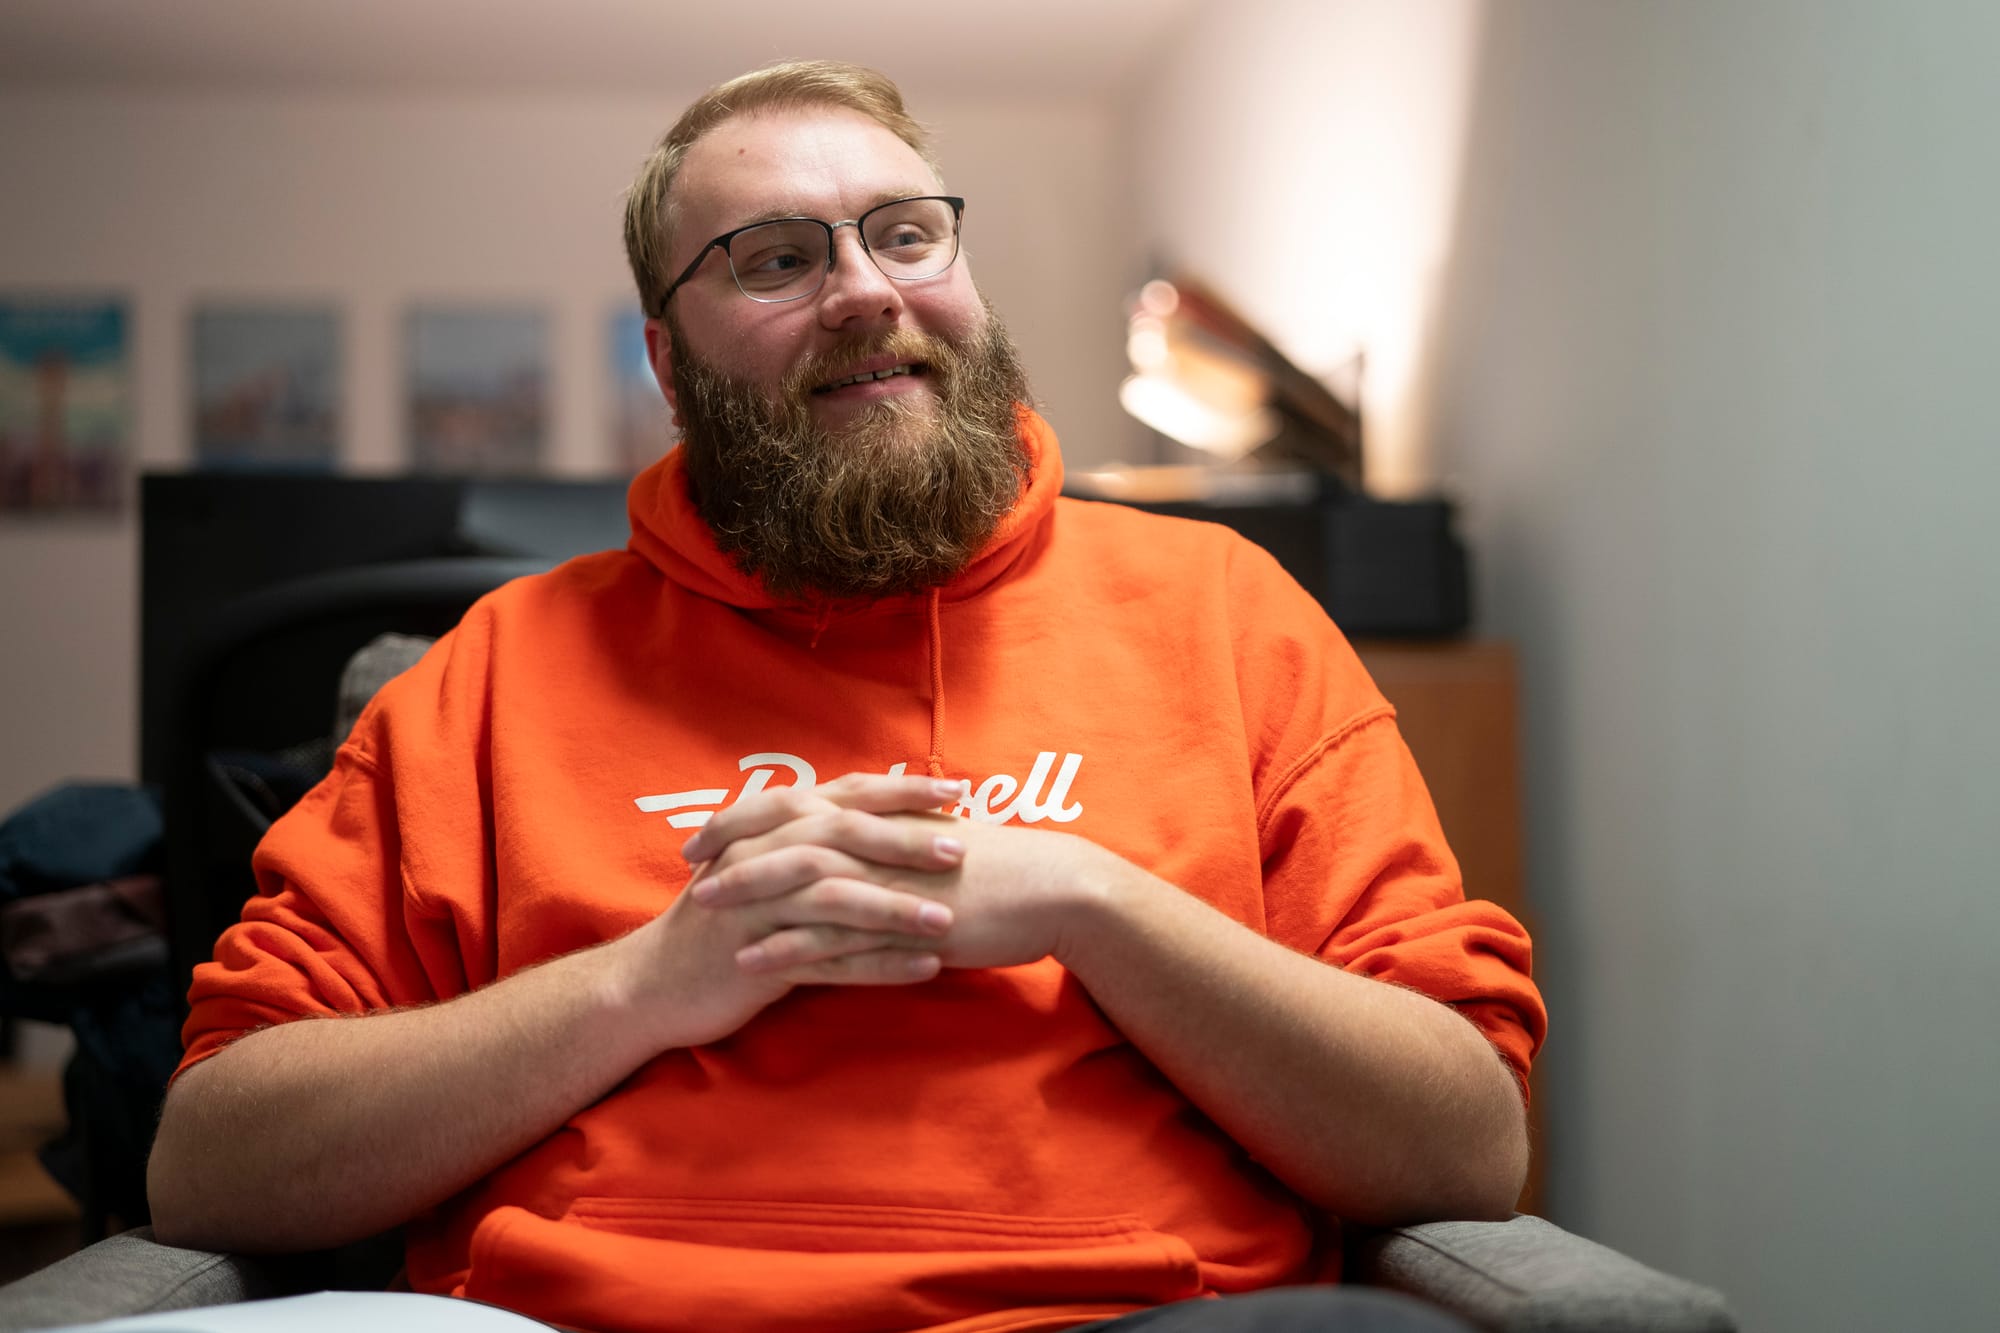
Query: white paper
pixel 327 1312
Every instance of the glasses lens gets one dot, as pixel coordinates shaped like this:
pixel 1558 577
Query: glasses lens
pixel 779 259
pixel 912 238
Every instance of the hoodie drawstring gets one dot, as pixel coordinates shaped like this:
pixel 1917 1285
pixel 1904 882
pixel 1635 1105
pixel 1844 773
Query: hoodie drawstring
pixel 937 691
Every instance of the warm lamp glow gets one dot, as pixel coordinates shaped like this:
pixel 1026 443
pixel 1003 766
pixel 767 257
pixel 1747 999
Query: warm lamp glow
pixel 1207 379
pixel 1146 344
pixel 1166 407
pixel 1338 126
pixel 1159 298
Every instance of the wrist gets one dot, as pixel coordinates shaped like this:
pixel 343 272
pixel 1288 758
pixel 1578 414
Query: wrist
pixel 621 973
pixel 1105 895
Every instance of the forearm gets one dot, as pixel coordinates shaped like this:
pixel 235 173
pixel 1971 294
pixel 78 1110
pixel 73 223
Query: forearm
pixel 1375 1102
pixel 323 1131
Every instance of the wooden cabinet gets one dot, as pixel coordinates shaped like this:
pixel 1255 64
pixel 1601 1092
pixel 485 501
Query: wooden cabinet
pixel 1457 706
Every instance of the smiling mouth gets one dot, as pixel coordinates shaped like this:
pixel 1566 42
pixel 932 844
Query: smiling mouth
pixel 912 368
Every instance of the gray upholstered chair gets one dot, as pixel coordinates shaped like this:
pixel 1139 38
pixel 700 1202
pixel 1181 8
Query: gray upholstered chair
pixel 1521 1276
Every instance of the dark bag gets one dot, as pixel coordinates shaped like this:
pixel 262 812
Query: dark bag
pixel 83 944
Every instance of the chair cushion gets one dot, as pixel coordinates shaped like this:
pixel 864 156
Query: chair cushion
pixel 379 661
pixel 131 1273
pixel 1527 1276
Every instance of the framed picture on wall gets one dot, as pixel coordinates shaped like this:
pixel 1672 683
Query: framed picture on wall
pixel 641 427
pixel 266 386
pixel 65 417
pixel 477 389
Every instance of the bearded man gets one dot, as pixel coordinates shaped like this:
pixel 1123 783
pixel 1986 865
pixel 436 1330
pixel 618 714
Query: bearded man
pixel 1124 960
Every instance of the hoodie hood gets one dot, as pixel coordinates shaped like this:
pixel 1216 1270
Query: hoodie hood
pixel 669 534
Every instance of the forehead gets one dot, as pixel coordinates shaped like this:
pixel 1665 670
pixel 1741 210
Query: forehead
pixel 824 162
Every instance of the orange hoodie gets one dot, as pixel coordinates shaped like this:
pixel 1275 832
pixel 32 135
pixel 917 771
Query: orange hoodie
pixel 980 1152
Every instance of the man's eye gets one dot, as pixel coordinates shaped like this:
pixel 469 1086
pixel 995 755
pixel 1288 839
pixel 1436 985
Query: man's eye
pixel 774 262
pixel 903 236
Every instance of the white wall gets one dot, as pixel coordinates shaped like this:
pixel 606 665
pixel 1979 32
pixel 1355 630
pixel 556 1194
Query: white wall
pixel 1713 370
pixel 374 202
pixel 1303 158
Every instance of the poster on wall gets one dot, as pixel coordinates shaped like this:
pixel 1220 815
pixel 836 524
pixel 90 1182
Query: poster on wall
pixel 478 390
pixel 266 387
pixel 65 423
pixel 641 428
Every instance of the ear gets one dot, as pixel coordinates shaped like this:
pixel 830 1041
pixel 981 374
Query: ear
pixel 660 351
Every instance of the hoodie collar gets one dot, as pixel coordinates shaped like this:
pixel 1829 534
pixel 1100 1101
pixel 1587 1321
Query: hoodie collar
pixel 669 534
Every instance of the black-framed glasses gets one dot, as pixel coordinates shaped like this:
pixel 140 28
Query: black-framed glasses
pixel 787 259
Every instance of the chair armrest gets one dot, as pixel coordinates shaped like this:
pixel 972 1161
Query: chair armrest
pixel 1526 1276
pixel 129 1274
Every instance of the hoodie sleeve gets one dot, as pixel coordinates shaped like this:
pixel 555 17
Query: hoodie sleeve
pixel 1356 868
pixel 1357 873
pixel 374 891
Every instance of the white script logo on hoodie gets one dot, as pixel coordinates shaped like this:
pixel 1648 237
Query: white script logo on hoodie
pixel 997 800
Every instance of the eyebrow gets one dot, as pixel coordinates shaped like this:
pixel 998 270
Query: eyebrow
pixel 781 211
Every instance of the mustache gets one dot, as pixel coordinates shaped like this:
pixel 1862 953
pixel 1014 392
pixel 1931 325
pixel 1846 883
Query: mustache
pixel 938 357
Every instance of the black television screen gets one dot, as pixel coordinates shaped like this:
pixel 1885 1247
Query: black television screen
pixel 208 539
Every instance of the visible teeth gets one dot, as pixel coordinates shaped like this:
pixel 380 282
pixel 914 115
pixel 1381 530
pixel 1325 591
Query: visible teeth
pixel 869 375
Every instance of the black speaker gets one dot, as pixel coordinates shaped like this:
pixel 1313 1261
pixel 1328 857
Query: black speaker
pixel 1381 568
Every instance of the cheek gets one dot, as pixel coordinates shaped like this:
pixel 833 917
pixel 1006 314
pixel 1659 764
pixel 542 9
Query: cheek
pixel 954 310
pixel 760 351
pixel 966 293
pixel 773 357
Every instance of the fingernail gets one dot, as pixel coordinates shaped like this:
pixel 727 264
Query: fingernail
pixel 949 848
pixel 922 964
pixel 706 891
pixel 750 957
pixel 692 849
pixel 934 916
pixel 956 787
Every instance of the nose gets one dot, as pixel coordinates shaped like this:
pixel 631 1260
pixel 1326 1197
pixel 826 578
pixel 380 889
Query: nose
pixel 857 294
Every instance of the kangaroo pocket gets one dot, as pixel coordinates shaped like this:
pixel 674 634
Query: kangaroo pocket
pixel 665 1264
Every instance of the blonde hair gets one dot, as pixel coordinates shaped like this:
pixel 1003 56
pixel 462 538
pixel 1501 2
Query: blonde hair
pixel 650 207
